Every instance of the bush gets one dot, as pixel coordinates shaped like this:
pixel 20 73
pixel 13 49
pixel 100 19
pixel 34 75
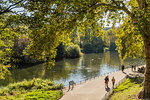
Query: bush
pixel 68 51
pixel 72 51
pixel 31 89
pixel 88 48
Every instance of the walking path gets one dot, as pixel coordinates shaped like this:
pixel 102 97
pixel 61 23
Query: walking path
pixel 94 89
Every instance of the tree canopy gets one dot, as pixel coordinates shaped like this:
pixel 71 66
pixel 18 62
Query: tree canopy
pixel 51 21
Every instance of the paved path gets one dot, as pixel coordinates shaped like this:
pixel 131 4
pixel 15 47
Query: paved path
pixel 93 89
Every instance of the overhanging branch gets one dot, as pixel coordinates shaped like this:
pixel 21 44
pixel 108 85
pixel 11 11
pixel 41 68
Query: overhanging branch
pixel 10 7
pixel 116 6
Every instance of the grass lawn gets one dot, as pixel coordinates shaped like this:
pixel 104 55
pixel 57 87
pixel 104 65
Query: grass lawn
pixel 128 89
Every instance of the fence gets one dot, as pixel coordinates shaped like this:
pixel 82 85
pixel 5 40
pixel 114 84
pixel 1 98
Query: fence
pixel 83 81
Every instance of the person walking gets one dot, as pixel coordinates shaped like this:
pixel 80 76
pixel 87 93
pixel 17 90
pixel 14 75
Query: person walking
pixel 106 81
pixel 132 67
pixel 113 81
pixel 122 68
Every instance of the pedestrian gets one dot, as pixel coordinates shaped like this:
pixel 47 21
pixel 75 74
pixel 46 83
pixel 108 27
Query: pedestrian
pixel 106 81
pixel 132 67
pixel 113 81
pixel 122 68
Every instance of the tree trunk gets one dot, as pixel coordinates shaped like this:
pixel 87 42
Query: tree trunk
pixel 145 92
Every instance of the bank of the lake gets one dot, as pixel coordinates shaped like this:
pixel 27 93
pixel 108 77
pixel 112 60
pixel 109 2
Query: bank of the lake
pixel 79 69
pixel 32 90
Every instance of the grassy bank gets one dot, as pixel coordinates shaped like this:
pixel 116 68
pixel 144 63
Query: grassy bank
pixel 128 89
pixel 32 90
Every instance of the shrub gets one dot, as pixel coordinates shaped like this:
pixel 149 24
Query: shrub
pixel 68 51
pixel 72 51
pixel 28 88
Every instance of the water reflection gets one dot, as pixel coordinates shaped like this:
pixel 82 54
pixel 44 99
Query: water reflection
pixel 85 67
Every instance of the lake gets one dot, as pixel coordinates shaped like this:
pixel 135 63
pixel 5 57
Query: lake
pixel 79 69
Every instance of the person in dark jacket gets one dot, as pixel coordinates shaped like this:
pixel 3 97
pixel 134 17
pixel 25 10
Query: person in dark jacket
pixel 132 67
pixel 106 81
pixel 122 68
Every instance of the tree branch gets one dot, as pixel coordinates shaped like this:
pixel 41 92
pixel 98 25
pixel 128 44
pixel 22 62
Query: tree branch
pixel 9 8
pixel 117 7
pixel 138 2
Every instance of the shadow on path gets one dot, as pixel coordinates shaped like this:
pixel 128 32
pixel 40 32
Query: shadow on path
pixel 124 72
pixel 107 89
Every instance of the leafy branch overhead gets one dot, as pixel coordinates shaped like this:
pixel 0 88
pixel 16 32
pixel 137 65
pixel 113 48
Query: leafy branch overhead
pixel 51 21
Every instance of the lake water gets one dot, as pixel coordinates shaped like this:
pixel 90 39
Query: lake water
pixel 79 69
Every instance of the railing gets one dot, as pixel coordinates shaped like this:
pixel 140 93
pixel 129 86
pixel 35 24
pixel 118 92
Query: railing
pixel 80 82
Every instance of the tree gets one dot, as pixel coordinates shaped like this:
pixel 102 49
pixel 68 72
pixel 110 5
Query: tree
pixel 51 21
pixel 109 38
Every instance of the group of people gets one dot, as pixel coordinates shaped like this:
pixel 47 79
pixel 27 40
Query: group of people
pixel 113 79
pixel 134 67
pixel 107 80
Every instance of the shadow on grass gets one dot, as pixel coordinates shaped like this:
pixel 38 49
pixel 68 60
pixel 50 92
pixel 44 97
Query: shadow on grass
pixel 136 80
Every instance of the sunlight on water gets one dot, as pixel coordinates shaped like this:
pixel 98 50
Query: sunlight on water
pixel 80 69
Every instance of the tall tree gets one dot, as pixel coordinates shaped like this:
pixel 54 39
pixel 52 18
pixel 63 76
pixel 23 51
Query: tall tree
pixel 52 20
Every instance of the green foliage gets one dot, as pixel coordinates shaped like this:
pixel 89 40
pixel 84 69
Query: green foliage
pixel 51 19
pixel 109 36
pixel 43 95
pixel 13 39
pixel 130 41
pixel 52 22
pixel 68 51
pixel 72 51
pixel 4 71
pixel 28 88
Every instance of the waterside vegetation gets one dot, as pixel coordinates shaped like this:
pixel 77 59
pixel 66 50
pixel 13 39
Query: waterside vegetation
pixel 32 90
